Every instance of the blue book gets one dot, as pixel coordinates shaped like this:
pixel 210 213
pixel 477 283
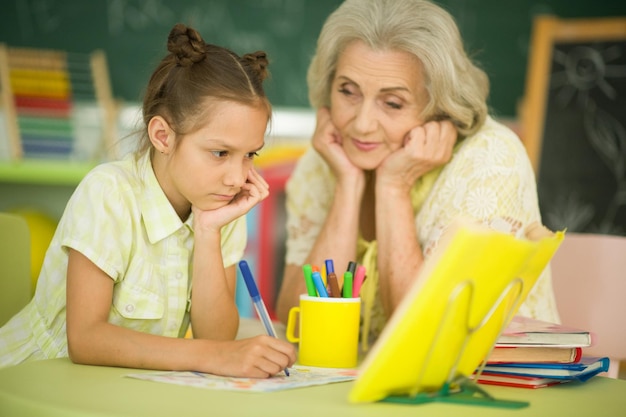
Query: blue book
pixel 587 367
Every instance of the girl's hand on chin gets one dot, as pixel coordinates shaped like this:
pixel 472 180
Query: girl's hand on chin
pixel 255 190
pixel 252 192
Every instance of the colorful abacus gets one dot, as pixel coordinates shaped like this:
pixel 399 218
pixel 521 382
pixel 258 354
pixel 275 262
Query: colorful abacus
pixel 40 90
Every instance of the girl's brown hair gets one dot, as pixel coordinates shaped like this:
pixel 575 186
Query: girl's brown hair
pixel 194 72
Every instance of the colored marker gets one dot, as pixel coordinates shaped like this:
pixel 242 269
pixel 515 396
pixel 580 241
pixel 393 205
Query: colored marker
pixel 359 277
pixel 333 285
pixel 319 284
pixel 352 267
pixel 316 268
pixel 257 301
pixel 308 280
pixel 347 284
pixel 330 266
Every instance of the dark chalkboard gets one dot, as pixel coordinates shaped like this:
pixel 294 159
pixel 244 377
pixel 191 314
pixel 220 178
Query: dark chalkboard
pixel 581 156
pixel 133 34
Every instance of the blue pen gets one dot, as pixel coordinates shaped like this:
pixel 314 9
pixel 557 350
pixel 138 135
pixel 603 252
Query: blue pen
pixel 319 284
pixel 259 305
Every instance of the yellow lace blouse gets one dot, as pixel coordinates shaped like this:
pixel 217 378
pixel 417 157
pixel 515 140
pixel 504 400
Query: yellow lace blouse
pixel 489 179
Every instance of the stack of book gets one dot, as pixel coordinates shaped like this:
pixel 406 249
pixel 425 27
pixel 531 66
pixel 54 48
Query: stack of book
pixel 532 354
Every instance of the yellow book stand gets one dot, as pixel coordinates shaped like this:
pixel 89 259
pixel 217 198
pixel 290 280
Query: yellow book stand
pixel 448 323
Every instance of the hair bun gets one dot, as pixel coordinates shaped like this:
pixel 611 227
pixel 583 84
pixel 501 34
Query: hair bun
pixel 258 62
pixel 186 45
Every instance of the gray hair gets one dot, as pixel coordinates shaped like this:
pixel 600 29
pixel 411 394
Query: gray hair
pixel 457 88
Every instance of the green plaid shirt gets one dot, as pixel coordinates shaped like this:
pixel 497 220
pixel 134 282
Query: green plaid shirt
pixel 121 220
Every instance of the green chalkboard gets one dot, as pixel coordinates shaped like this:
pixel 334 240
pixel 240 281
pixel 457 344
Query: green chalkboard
pixel 133 35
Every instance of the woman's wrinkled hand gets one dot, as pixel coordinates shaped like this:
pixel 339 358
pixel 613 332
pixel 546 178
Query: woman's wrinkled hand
pixel 327 141
pixel 425 148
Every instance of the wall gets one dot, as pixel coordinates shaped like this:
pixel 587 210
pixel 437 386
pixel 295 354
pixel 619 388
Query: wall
pixel 133 34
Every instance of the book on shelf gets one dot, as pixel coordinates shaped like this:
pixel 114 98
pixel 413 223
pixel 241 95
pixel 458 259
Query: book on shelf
pixel 582 370
pixel 526 354
pixel 517 381
pixel 526 331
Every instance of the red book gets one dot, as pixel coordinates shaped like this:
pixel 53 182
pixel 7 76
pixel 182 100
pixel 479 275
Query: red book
pixel 517 381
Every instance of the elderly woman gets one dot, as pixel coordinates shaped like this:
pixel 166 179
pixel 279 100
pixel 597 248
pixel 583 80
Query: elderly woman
pixel 404 144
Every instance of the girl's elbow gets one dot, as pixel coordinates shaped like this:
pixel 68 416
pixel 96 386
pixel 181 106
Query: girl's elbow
pixel 77 347
pixel 74 353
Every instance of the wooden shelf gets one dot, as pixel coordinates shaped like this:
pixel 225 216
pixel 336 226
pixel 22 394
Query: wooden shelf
pixel 44 172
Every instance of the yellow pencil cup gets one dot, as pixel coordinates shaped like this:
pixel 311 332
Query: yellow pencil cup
pixel 328 331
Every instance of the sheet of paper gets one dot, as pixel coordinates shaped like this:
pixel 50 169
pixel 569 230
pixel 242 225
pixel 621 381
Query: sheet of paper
pixel 300 376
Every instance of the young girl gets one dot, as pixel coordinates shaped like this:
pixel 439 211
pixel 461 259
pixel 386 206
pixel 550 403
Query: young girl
pixel 149 244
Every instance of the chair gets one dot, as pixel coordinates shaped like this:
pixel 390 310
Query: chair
pixel 589 279
pixel 15 281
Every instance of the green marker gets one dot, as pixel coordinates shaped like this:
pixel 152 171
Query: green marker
pixel 308 280
pixel 347 284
